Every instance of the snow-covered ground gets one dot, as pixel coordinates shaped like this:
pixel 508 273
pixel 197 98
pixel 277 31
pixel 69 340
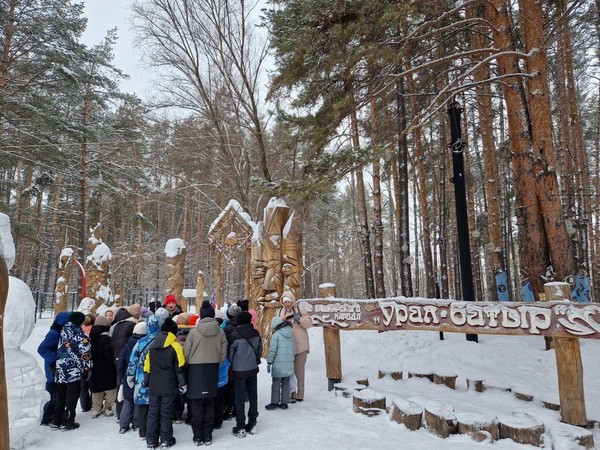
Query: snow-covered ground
pixel 326 421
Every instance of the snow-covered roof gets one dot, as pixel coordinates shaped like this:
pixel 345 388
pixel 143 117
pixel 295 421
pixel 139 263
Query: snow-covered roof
pixel 235 206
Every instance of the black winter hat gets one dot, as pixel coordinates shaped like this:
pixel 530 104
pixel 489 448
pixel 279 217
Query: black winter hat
pixel 170 326
pixel 77 318
pixel 244 317
pixel 206 310
pixel 244 304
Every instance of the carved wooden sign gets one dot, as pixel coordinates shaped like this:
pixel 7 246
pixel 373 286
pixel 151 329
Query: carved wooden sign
pixel 557 319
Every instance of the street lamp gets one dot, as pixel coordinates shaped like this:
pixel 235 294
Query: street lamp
pixel 460 199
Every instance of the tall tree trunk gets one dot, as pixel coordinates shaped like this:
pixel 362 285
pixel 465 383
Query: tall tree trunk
pixel 416 226
pixel 364 232
pixel 444 274
pixel 483 94
pixel 377 218
pixel 423 202
pixel 403 201
pixel 546 183
pixel 533 251
pixel 583 220
pixel 392 228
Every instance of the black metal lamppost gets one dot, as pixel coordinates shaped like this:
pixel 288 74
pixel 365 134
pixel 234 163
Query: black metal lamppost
pixel 460 198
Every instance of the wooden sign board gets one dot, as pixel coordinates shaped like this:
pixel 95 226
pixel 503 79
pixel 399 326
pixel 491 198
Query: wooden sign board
pixel 556 319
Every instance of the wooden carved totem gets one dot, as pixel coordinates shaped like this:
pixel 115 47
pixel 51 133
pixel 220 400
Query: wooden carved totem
pixel 175 253
pixel 63 274
pixel 230 235
pixel 97 269
pixel 276 263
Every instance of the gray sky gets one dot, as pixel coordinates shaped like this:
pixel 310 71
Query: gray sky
pixel 104 15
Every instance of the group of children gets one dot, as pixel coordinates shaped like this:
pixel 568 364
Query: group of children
pixel 155 364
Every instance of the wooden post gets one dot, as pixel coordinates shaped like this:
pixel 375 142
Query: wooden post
pixel 200 284
pixel 333 346
pixel 247 273
pixel 4 437
pixel 219 280
pixel 175 253
pixel 568 365
pixel 63 273
pixel 292 254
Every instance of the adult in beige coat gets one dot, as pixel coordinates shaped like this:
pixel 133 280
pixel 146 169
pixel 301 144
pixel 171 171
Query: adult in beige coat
pixel 292 312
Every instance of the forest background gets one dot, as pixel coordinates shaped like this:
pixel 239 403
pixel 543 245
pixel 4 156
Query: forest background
pixel 337 107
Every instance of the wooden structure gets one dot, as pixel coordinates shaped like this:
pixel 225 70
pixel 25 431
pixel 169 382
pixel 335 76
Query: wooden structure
pixel 175 253
pixel 63 274
pixel 230 235
pixel 200 285
pixel 97 269
pixel 273 251
pixel 563 321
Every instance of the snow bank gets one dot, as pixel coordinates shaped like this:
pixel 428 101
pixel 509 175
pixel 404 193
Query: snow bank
pixel 7 246
pixel 19 314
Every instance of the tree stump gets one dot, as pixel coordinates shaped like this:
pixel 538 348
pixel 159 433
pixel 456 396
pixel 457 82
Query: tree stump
pixel 439 418
pixel 569 436
pixel 363 381
pixel 550 403
pixel 521 394
pixel 488 386
pixel 474 385
pixel 395 374
pixel 481 427
pixel 368 402
pixel 347 389
pixel 445 379
pixel 407 413
pixel 522 428
pixel 421 374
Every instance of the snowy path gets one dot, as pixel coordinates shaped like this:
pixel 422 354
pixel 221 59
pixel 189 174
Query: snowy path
pixel 326 421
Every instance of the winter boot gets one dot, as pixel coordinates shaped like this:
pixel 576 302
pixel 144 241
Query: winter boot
pixel 239 432
pixel 168 444
pixel 271 406
pixel 251 427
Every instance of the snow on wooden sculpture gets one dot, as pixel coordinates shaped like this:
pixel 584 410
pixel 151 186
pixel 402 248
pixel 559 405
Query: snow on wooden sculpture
pixel 274 219
pixel 63 274
pixel 292 254
pixel 97 269
pixel 230 234
pixel 21 375
pixel 175 253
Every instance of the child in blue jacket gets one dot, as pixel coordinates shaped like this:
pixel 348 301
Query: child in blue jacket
pixel 280 362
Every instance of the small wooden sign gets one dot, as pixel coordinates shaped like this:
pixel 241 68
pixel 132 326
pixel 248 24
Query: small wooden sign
pixel 556 319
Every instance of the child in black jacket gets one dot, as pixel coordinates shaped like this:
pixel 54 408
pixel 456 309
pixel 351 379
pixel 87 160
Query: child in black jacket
pixel 163 374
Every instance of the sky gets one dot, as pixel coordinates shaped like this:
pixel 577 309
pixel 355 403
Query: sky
pixel 103 15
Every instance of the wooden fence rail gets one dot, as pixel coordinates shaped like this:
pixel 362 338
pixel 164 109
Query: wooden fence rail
pixel 560 319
